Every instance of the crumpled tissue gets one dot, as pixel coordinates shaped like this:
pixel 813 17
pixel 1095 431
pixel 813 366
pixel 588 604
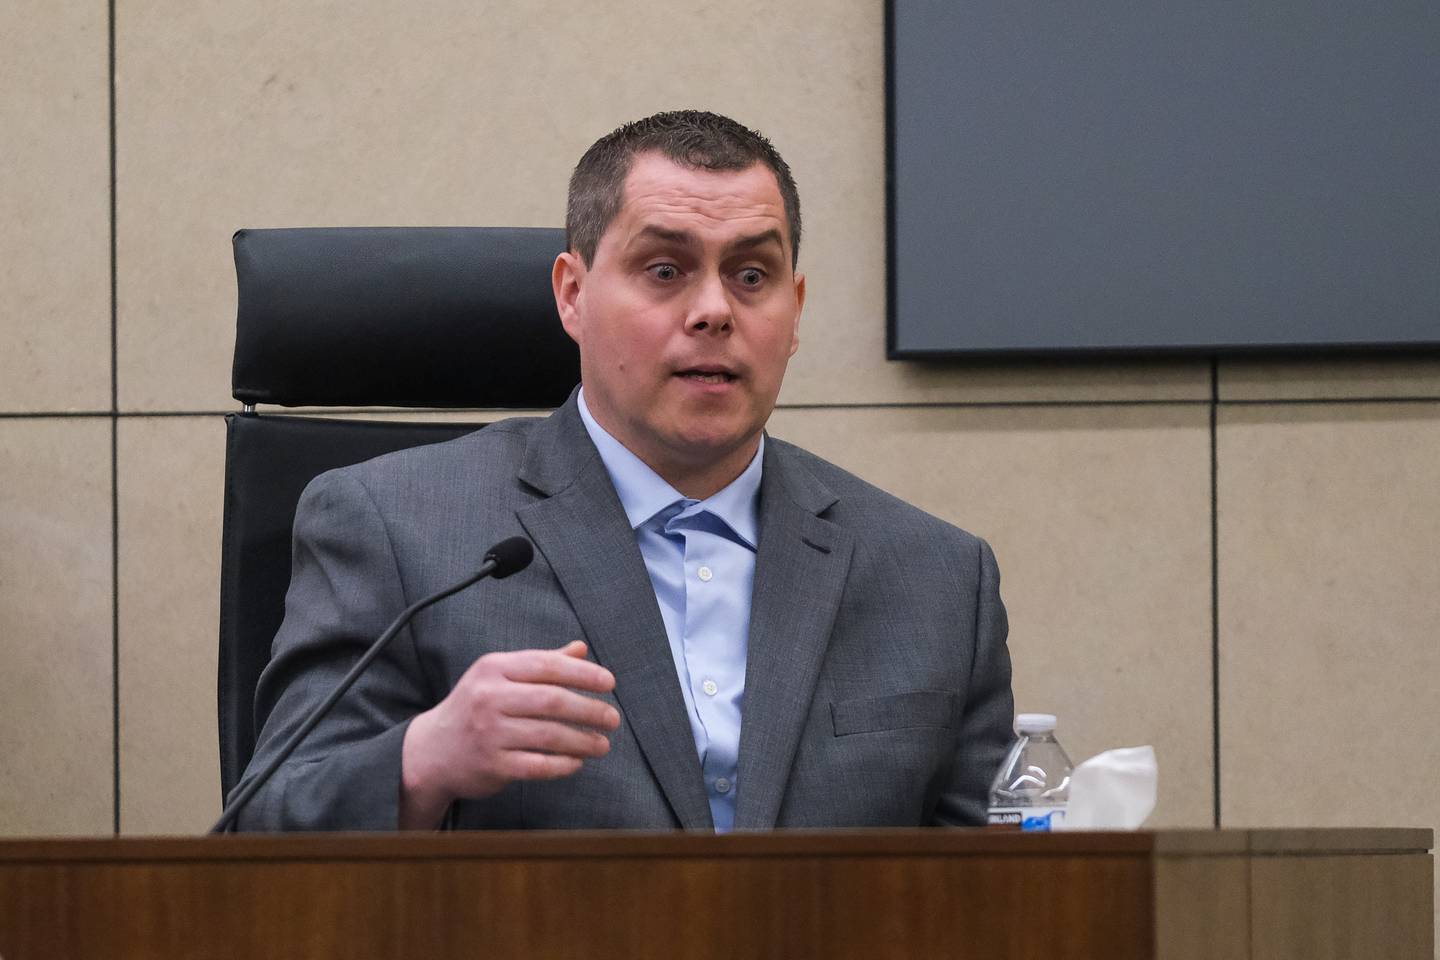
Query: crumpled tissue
pixel 1114 790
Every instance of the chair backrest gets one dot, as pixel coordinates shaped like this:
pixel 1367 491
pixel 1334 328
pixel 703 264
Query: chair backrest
pixel 361 317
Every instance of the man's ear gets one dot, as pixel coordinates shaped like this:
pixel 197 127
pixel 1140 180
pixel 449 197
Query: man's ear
pixel 799 309
pixel 566 278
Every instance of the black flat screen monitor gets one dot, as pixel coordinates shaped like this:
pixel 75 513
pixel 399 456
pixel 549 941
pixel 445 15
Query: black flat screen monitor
pixel 1162 176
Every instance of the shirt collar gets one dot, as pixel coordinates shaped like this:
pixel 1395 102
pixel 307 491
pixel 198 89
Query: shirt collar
pixel 644 493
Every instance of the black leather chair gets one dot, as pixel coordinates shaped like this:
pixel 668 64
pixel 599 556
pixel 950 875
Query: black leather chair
pixel 361 317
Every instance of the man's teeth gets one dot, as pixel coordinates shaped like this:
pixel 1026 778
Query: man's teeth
pixel 707 377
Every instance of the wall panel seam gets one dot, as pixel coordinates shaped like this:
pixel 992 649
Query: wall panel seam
pixel 491 412
pixel 114 440
pixel 1215 588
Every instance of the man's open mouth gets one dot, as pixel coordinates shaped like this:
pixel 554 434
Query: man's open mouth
pixel 707 376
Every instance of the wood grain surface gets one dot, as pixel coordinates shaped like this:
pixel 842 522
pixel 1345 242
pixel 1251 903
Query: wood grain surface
pixel 785 895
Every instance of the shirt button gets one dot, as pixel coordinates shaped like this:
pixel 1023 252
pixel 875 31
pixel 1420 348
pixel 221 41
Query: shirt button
pixel 710 687
pixel 705 573
pixel 722 785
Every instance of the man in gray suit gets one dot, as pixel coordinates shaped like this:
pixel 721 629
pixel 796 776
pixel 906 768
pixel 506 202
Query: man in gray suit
pixel 690 572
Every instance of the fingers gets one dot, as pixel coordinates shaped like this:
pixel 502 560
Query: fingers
pixel 559 667
pixel 546 702
pixel 548 751
pixel 544 684
pixel 559 739
pixel 518 715
pixel 520 765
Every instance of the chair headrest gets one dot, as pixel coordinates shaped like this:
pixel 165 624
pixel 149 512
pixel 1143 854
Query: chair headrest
pixel 400 316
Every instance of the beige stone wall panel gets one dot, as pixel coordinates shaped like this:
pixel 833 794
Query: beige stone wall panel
pixel 55 205
pixel 1329 606
pixel 56 743
pixel 171 475
pixel 1397 376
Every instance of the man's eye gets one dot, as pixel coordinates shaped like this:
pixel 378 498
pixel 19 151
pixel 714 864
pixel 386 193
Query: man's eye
pixel 664 271
pixel 752 277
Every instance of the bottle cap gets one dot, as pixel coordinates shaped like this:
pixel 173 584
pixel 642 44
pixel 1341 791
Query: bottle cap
pixel 1035 723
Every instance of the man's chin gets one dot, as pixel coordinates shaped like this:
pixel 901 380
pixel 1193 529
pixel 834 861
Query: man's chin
pixel 702 449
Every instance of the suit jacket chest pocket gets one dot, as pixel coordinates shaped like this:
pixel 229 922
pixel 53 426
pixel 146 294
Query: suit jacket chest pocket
pixel 881 760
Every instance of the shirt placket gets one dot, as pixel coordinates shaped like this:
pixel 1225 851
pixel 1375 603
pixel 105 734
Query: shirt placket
pixel 713 691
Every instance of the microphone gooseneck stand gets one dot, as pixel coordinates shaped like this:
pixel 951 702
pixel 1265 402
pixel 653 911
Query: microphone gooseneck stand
pixel 503 559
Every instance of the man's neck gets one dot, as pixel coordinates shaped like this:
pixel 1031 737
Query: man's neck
pixel 697 480
pixel 703 482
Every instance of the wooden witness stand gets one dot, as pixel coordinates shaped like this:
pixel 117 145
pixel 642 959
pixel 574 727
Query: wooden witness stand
pixel 1172 895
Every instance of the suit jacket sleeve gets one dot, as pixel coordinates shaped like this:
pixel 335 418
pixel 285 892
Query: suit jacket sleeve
pixel 345 588
pixel 986 722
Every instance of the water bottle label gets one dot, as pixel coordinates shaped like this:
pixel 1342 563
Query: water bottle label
pixel 1027 818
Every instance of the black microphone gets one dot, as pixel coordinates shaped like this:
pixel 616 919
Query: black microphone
pixel 503 559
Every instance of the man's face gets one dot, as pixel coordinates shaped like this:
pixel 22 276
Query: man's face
pixel 687 316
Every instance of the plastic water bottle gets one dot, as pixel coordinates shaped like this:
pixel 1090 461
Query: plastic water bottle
pixel 1033 786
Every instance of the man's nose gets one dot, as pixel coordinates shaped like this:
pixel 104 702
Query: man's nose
pixel 710 309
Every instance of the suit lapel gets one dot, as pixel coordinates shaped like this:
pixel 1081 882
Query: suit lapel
pixel 800 571
pixel 582 532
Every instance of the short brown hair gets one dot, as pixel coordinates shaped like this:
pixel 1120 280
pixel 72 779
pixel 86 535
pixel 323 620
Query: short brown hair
pixel 691 138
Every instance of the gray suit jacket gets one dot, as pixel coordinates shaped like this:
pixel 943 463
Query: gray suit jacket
pixel 877 688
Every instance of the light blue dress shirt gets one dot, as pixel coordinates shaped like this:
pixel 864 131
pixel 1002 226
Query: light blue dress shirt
pixel 701 559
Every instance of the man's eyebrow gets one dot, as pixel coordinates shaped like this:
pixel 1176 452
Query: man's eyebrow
pixel 680 237
pixel 686 239
pixel 759 240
